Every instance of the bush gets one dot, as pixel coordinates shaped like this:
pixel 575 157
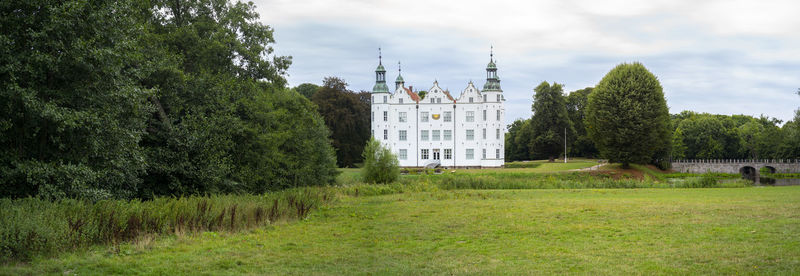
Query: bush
pixel 380 165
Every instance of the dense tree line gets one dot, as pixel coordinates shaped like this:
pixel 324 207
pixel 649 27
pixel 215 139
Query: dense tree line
pixel 625 119
pixel 347 115
pixel 542 136
pixel 132 99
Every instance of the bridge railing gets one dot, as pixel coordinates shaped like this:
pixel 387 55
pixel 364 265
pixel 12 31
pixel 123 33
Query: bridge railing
pixel 736 161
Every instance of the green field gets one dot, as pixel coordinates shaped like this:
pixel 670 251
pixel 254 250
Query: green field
pixel 608 231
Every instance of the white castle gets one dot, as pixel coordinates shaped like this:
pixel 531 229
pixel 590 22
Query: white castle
pixel 439 129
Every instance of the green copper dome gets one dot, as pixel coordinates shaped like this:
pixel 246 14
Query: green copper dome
pixel 380 68
pixel 399 79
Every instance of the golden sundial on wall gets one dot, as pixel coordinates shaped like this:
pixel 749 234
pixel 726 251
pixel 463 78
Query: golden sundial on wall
pixel 435 116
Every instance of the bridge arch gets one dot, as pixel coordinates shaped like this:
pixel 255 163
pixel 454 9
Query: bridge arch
pixel 768 169
pixel 748 172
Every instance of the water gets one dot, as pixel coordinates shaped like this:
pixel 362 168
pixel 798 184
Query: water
pixel 768 181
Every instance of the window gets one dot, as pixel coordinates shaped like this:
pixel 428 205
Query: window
pixel 484 134
pixel 484 98
pixel 424 117
pixel 448 135
pixel 497 133
pixel 448 116
pixel 470 99
pixel 425 153
pixel 384 99
pixel 423 135
pixel 432 100
pixel 435 135
pixel 372 116
pixel 403 116
pixel 498 97
pixel 470 134
pixel 386 116
pixel 438 100
pixel 403 155
pixel 498 115
pixel 470 116
pixel 470 154
pixel 448 153
pixel 497 153
pixel 484 153
pixel 385 134
pixel 402 135
pixel 401 101
pixel 484 114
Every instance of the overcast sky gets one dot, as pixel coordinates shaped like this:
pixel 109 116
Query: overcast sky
pixel 724 57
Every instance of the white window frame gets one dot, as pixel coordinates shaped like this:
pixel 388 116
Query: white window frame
pixel 484 134
pixel 497 133
pixel 386 116
pixel 385 99
pixel 484 115
pixel 498 97
pixel 448 153
pixel 436 135
pixel 470 134
pixel 448 116
pixel 447 135
pixel 402 116
pixel 498 115
pixel 403 154
pixel 402 135
pixel 400 101
pixel 470 153
pixel 424 154
pixel 497 153
pixel 470 99
pixel 470 116
pixel 424 116
pixel 385 134
pixel 484 153
pixel 423 135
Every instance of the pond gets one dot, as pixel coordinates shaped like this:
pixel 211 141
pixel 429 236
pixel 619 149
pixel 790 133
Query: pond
pixel 769 181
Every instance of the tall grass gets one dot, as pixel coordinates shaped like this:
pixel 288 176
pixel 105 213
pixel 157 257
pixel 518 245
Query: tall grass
pixel 30 227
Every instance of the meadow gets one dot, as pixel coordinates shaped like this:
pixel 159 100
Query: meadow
pixel 538 218
pixel 606 231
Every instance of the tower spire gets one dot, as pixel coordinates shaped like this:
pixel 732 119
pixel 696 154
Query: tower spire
pixel 380 76
pixel 491 53
pixel 492 81
pixel 399 82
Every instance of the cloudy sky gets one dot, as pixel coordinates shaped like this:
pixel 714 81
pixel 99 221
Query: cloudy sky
pixel 725 57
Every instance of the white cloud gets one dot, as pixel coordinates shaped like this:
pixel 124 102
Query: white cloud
pixel 711 56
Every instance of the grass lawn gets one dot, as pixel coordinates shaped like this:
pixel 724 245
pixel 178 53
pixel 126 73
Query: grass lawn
pixel 610 231
pixel 542 166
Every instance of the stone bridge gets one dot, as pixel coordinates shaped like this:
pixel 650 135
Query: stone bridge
pixel 746 167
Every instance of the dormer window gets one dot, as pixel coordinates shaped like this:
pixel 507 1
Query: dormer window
pixel 438 100
pixel 401 101
pixel 432 100
pixel 484 98
pixel 470 99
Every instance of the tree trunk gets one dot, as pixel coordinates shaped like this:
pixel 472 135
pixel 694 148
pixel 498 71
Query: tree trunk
pixel 552 159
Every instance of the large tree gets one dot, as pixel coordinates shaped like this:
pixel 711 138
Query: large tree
pixel 627 116
pixel 550 121
pixel 347 115
pixel 224 122
pixel 515 151
pixel 306 89
pixel 72 111
pixel 577 101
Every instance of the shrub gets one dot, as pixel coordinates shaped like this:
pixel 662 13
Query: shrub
pixel 380 165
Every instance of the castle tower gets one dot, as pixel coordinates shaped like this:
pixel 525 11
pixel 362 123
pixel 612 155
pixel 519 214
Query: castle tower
pixel 380 103
pixel 495 117
pixel 399 82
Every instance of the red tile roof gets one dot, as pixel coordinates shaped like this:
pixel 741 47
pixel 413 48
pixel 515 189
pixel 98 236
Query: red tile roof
pixel 448 96
pixel 413 95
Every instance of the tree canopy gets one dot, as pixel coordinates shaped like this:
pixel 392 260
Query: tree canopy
pixel 627 116
pixel 550 121
pixel 134 99
pixel 347 115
